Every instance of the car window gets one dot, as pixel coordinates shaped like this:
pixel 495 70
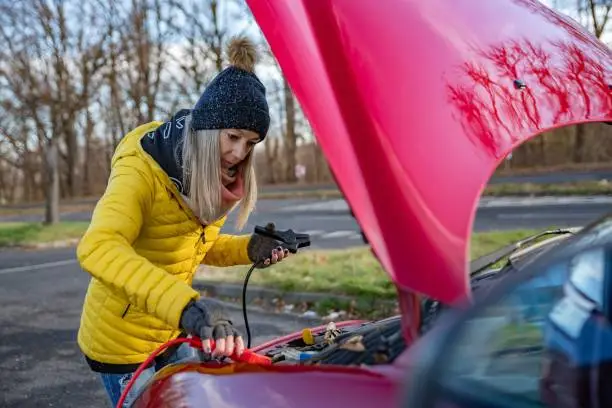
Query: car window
pixel 503 349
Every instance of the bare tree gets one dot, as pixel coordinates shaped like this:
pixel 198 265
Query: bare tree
pixel 74 79
pixel 597 14
pixel 202 28
pixel 271 146
pixel 594 15
pixel 140 35
pixel 25 74
pixel 76 76
pixel 289 135
pixel 144 51
pixel 49 74
pixel 52 214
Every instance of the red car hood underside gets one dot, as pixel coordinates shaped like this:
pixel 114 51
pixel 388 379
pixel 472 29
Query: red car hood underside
pixel 414 103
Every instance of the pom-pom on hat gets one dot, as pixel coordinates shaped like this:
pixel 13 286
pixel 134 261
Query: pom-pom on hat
pixel 235 98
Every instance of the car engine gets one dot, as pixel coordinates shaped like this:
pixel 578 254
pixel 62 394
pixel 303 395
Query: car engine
pixel 371 343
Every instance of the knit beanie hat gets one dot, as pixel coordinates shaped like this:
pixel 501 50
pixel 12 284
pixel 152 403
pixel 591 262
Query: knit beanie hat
pixel 235 98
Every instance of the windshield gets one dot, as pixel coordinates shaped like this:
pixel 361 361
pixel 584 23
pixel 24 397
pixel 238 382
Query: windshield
pixel 587 274
pixel 505 348
pixel 501 347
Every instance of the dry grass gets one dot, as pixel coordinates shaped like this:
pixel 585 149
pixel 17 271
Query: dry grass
pixel 353 272
pixel 29 233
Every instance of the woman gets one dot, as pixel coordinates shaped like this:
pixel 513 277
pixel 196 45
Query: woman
pixel 168 195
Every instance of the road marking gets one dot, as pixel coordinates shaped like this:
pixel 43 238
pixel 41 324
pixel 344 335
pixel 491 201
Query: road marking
pixel 339 234
pixel 37 267
pixel 314 232
pixel 320 234
pixel 340 205
pixel 494 202
pixel 551 216
pixel 327 205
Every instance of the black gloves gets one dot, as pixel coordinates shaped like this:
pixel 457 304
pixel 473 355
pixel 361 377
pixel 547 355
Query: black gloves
pixel 209 319
pixel 265 250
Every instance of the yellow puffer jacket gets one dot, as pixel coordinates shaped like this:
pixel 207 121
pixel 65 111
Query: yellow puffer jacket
pixel 142 249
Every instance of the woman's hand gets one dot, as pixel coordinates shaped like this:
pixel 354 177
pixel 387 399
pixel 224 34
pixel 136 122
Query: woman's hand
pixel 208 319
pixel 265 250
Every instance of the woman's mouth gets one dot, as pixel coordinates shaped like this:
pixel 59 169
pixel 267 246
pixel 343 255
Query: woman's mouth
pixel 229 173
pixel 231 180
pixel 229 168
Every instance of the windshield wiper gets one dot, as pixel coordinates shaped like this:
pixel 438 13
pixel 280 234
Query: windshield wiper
pixel 486 261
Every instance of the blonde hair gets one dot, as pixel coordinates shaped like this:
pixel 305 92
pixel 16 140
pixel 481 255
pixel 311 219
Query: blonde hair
pixel 201 155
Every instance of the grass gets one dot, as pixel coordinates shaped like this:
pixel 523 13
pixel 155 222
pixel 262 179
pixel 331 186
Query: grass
pixel 29 233
pixel 568 167
pixel 582 188
pixel 353 272
pixel 64 208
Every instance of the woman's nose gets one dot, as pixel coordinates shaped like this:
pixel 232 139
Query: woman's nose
pixel 239 151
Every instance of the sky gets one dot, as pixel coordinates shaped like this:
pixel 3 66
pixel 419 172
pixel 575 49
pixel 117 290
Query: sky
pixel 269 73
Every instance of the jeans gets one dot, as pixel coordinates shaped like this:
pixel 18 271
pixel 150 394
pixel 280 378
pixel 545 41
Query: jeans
pixel 114 384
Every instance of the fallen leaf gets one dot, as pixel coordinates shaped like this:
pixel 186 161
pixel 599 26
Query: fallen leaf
pixel 354 344
pixel 380 358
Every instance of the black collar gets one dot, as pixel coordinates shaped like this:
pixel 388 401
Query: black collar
pixel 164 145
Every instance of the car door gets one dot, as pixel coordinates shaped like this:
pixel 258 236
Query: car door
pixel 541 338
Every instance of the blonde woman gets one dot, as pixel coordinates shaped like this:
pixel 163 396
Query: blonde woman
pixel 168 195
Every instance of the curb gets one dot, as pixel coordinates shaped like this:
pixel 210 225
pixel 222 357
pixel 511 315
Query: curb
pixel 63 243
pixel 308 320
pixel 276 298
pixel 233 290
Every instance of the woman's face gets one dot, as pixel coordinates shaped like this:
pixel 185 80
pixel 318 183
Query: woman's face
pixel 236 144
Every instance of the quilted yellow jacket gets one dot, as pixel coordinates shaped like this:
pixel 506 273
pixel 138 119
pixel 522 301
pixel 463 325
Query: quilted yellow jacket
pixel 142 249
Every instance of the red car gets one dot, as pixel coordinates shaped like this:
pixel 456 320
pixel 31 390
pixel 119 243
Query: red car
pixel 415 103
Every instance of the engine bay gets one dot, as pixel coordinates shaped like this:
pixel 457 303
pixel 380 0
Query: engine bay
pixel 381 342
pixel 370 343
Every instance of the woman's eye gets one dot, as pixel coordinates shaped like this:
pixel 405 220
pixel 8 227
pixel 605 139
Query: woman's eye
pixel 233 137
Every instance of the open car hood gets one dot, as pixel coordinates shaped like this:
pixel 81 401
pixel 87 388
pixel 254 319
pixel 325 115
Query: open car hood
pixel 416 102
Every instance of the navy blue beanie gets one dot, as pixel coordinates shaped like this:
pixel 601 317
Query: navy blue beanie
pixel 235 98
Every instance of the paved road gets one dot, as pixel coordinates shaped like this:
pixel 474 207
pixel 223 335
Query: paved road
pixel 39 307
pixel 557 177
pixel 39 314
pixel 331 225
